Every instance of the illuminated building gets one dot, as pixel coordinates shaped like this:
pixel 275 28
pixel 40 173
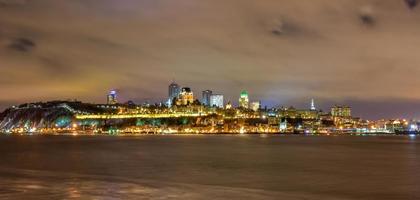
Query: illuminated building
pixel 283 126
pixel 394 126
pixel 173 92
pixel 313 105
pixel 216 100
pixel 206 97
pixel 341 111
pixel 244 99
pixel 112 97
pixel 229 105
pixel 255 106
pixel 186 97
pixel 413 126
pixel 292 112
pixel 194 118
pixel 342 117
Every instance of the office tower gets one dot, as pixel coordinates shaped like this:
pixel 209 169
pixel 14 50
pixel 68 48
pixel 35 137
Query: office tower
pixel 244 99
pixel 112 97
pixel 206 97
pixel 173 92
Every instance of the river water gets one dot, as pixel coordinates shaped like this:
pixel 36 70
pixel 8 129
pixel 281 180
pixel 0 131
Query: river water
pixel 209 167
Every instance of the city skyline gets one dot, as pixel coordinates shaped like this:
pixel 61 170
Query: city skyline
pixel 358 53
pixel 210 99
pixel 303 103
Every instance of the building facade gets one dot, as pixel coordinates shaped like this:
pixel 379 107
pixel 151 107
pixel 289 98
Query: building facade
pixel 206 97
pixel 112 97
pixel 244 100
pixel 173 92
pixel 216 100
pixel 186 96
pixel 228 105
pixel 255 106
pixel 341 111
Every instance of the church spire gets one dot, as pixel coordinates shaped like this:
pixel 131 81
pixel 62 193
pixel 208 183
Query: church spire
pixel 313 105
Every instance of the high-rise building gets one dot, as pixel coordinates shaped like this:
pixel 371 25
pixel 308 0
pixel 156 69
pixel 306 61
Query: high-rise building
pixel 313 105
pixel 216 100
pixel 244 99
pixel 112 97
pixel 255 106
pixel 173 92
pixel 206 97
pixel 186 96
pixel 341 111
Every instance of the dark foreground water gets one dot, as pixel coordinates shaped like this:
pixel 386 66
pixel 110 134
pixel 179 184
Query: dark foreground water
pixel 209 167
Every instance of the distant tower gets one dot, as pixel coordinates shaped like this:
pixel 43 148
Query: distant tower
pixel 206 97
pixel 112 97
pixel 173 91
pixel 244 99
pixel 313 105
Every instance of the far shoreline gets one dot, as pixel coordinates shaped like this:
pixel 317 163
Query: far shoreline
pixel 208 134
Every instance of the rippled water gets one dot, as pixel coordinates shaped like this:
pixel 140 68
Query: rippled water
pixel 209 167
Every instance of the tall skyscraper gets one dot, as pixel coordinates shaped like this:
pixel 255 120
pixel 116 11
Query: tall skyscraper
pixel 173 92
pixel 186 96
pixel 313 105
pixel 216 100
pixel 206 97
pixel 112 97
pixel 244 99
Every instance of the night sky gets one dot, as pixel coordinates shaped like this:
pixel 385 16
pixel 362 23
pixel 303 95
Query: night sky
pixel 365 53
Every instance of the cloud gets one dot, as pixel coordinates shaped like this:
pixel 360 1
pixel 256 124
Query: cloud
pixel 367 16
pixel 284 27
pixel 279 50
pixel 22 45
pixel 8 3
pixel 367 19
pixel 411 3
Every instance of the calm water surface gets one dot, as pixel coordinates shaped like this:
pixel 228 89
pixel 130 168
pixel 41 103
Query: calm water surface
pixel 209 167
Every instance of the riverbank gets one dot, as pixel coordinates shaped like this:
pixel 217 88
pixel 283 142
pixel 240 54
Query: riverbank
pixel 222 133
